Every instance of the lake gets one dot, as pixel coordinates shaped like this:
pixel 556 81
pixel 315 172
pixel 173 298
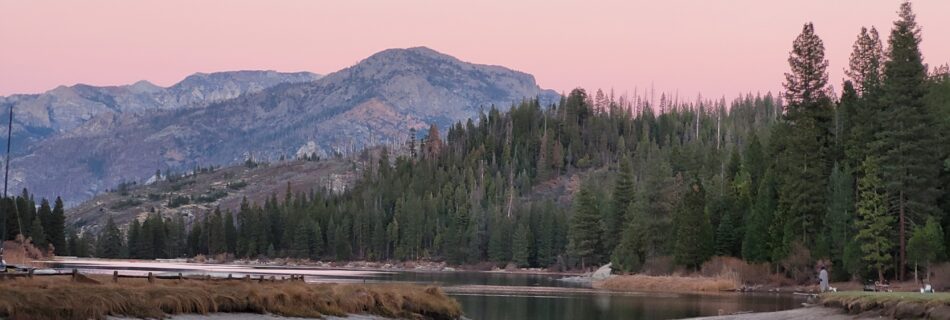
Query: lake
pixel 491 295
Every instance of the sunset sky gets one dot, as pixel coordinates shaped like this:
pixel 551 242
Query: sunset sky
pixel 717 48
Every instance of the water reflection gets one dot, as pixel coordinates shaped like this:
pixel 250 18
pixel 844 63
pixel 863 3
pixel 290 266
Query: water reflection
pixel 491 295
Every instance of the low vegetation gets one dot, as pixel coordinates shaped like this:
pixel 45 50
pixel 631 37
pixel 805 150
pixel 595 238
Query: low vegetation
pixel 52 298
pixel 898 305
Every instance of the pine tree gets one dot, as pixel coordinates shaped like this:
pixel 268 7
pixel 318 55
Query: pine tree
pixel 499 242
pixel 26 210
pixel 110 241
pixel 874 223
pixel 146 240
pixel 866 61
pixel 623 194
pixel 836 230
pixel 628 256
pixel 56 232
pixel 904 143
pixel 544 158
pixel 72 245
pixel 217 243
pixel 301 243
pixel 754 162
pixel 10 214
pixel 546 237
pixel 156 236
pixel 316 241
pixel 585 229
pixel 756 245
pixel 725 235
pixel 802 186
pixel 44 214
pixel 693 236
pixel 38 234
pixel 135 240
pixel 860 100
pixel 521 246
pixel 230 233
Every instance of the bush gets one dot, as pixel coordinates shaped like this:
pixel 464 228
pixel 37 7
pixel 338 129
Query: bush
pixel 211 196
pixel 237 185
pixel 798 265
pixel 940 276
pixel 658 266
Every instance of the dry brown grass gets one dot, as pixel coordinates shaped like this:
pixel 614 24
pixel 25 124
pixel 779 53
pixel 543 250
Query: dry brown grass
pixel 667 283
pixel 22 252
pixel 59 298
pixel 735 268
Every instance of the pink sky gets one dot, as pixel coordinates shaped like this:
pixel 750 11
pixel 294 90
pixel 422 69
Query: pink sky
pixel 713 47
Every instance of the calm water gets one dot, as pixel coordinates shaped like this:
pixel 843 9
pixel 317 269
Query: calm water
pixel 501 296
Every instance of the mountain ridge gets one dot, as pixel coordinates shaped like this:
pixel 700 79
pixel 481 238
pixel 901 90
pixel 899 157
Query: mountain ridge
pixel 376 101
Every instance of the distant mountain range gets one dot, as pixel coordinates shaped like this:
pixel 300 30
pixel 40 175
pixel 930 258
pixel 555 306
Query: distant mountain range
pixel 81 140
pixel 63 109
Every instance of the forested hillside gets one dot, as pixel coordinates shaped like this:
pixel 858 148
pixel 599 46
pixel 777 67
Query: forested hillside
pixel 857 182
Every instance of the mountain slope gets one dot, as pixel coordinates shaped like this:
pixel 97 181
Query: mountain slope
pixel 375 101
pixel 223 188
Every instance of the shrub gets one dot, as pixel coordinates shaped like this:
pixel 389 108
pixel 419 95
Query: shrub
pixel 211 196
pixel 125 203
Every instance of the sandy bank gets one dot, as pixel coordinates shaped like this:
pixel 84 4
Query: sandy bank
pixel 797 314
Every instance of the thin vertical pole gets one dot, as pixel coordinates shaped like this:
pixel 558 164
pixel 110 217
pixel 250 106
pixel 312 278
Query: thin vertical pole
pixel 6 175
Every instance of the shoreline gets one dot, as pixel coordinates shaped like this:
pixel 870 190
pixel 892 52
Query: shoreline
pixel 344 266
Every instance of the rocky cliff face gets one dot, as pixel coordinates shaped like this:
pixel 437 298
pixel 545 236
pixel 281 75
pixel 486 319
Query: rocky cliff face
pixel 373 102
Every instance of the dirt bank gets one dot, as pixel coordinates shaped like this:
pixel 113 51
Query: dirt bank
pixel 899 305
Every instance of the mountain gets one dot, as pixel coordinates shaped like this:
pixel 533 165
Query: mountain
pixel 39 116
pixel 376 101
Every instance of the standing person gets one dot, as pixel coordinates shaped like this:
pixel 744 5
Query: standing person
pixel 823 279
